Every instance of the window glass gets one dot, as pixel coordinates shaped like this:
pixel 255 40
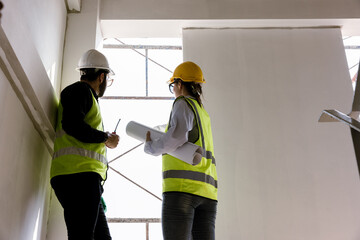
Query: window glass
pixel 129 71
pixel 158 76
pixel 135 171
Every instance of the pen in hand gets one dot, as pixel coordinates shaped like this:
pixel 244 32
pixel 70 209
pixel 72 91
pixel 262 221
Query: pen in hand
pixel 116 126
pixel 113 138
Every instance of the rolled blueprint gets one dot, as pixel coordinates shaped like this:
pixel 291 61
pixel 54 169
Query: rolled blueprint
pixel 188 152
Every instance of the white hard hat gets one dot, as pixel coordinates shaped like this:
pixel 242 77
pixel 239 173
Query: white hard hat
pixel 94 59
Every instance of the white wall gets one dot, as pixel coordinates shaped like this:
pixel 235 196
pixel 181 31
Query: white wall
pixel 281 180
pixel 82 33
pixel 24 170
pixel 282 175
pixel 31 46
pixel 42 23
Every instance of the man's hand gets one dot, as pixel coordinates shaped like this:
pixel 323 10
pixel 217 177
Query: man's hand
pixel 112 141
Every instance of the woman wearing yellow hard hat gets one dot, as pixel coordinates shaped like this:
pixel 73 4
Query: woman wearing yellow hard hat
pixel 189 191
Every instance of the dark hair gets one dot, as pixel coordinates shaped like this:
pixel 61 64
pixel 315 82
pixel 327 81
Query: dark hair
pixel 194 89
pixel 91 74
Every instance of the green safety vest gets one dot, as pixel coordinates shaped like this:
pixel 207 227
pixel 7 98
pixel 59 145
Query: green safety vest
pixel 200 179
pixel 73 156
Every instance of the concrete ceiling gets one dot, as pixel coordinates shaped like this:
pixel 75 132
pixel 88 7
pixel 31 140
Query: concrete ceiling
pixel 159 18
pixel 173 28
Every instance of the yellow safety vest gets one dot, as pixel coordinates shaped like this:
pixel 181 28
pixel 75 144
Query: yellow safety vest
pixel 73 156
pixel 200 179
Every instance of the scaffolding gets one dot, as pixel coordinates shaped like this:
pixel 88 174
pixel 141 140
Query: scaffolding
pixel 122 45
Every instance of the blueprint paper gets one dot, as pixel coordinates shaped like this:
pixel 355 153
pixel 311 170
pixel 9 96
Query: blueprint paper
pixel 188 152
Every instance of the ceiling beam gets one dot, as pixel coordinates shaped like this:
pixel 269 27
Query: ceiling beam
pixel 73 5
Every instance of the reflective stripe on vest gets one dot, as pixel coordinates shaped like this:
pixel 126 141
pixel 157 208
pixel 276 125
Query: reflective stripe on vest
pixel 77 151
pixel 81 152
pixel 206 154
pixel 197 176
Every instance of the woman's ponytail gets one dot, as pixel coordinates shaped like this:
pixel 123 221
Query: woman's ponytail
pixel 194 89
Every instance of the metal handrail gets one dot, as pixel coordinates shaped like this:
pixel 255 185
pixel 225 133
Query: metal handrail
pixel 134 220
pixel 147 221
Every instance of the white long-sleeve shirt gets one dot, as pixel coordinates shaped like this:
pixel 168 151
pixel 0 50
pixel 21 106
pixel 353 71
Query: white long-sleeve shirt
pixel 181 123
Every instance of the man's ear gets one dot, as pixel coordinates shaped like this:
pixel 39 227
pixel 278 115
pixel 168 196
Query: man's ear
pixel 102 77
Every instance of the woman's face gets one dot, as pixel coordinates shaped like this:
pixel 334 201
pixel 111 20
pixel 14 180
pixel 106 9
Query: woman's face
pixel 177 89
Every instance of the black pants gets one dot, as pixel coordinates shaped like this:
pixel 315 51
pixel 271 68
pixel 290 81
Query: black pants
pixel 79 195
pixel 186 216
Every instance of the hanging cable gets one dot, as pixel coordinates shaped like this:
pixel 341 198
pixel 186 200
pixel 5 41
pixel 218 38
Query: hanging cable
pixel 138 185
pixel 353 66
pixel 145 56
pixel 125 153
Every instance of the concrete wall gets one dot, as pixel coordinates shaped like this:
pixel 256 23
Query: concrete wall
pixel 229 9
pixel 282 175
pixel 31 47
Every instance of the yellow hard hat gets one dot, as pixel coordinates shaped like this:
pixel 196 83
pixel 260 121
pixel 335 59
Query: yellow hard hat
pixel 188 72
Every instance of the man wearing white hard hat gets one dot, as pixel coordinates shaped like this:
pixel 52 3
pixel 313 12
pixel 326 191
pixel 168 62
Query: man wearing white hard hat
pixel 79 165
